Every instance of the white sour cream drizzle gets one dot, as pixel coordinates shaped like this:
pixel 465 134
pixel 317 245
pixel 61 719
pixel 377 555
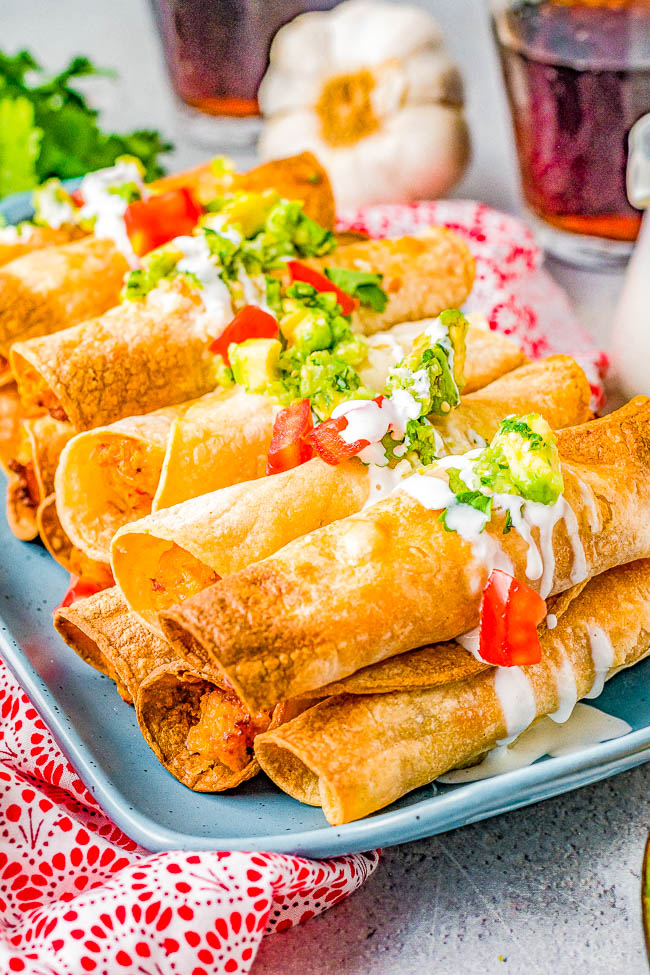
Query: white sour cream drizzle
pixel 517 699
pixel 197 260
pixel 525 515
pixel 602 655
pixel 567 689
pixel 106 208
pixel 586 726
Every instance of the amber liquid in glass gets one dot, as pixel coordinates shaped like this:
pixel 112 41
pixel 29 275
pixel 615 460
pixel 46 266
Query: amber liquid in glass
pixel 217 50
pixel 577 77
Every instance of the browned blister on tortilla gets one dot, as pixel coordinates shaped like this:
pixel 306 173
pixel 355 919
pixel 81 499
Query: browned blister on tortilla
pixel 356 752
pixel 391 578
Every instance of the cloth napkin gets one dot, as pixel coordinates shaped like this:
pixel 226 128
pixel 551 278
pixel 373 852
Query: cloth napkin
pixel 77 895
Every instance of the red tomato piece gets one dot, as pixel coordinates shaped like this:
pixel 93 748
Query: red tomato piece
pixel 289 446
pixel 302 272
pixel 510 614
pixel 163 216
pixel 77 198
pixel 250 323
pixel 77 589
pixel 330 446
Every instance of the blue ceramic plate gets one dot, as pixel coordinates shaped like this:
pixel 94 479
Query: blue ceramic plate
pixel 99 734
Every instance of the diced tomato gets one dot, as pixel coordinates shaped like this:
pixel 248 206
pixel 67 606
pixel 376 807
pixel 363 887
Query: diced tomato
pixel 302 272
pixel 289 446
pixel 250 323
pixel 77 198
pixel 156 220
pixel 510 614
pixel 77 589
pixel 330 446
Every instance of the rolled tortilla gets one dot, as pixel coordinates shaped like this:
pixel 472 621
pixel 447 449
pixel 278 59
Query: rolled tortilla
pixel 355 754
pixel 192 720
pixel 299 177
pixel 113 475
pixel 17 241
pixel 31 472
pixel 172 554
pixel 421 275
pixel 56 287
pixel 73 560
pixel 144 355
pixel 391 578
pixel 138 357
pixel 11 416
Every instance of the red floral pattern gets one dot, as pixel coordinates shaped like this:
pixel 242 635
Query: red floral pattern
pixel 512 289
pixel 77 895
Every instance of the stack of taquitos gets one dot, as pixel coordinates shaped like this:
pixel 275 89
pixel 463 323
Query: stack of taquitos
pixel 402 723
pixel 114 475
pixel 162 559
pixel 322 607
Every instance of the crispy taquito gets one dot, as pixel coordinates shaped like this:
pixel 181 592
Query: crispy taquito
pixel 432 710
pixel 17 241
pixel 56 287
pixel 392 577
pixel 164 558
pixel 147 354
pixel 31 471
pixel 189 715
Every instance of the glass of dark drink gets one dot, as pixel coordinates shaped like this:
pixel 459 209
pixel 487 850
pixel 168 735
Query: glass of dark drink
pixel 577 76
pixel 216 53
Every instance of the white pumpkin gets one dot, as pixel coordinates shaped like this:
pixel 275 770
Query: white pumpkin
pixel 369 88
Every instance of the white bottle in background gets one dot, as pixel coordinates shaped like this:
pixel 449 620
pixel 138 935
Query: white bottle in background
pixel 630 352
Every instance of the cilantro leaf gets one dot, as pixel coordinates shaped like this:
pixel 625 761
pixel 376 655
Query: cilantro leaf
pixel 360 284
pixel 61 137
pixel 19 145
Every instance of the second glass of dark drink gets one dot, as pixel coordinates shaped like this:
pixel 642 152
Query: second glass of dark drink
pixel 577 76
pixel 217 52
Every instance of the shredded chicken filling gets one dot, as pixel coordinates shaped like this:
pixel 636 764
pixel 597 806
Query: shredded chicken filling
pixel 178 576
pixel 130 475
pixel 225 730
pixel 27 492
pixel 37 395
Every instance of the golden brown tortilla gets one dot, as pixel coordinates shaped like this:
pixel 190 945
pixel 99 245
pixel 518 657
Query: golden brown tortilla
pixel 355 754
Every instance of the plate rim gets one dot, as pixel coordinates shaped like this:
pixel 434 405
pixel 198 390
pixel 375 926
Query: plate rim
pixel 467 803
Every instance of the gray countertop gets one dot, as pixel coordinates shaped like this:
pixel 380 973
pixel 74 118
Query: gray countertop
pixel 550 888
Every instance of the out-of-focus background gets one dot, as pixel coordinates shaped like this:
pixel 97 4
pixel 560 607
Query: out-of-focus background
pixel 121 34
pixel 550 888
